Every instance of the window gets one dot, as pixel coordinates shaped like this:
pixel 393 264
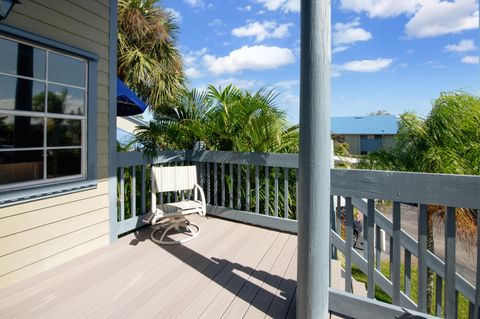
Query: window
pixel 43 115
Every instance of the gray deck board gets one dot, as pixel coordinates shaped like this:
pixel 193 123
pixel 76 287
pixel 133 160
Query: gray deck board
pixel 135 278
pixel 231 270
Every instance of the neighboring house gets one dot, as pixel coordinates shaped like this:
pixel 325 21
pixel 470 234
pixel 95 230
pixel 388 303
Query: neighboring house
pixel 55 172
pixel 365 134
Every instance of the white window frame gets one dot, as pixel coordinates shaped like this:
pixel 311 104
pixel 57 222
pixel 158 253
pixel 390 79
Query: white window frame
pixel 45 115
pixel 44 185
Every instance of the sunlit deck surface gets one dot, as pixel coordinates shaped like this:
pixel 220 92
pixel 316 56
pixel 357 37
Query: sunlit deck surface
pixel 231 270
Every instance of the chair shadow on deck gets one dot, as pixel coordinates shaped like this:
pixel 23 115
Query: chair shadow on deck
pixel 227 275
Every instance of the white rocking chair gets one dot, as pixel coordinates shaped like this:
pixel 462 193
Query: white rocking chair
pixel 173 216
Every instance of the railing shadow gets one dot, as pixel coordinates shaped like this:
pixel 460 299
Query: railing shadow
pixel 225 273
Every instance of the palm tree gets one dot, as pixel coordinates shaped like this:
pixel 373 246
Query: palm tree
pixel 148 60
pixel 448 142
pixel 226 119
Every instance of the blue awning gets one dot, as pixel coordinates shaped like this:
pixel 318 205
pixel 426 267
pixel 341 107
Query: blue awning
pixel 128 103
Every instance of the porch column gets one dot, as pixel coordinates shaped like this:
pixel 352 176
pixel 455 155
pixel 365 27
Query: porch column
pixel 314 161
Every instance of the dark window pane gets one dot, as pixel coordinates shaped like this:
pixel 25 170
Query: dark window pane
pixel 20 166
pixel 21 94
pixel 20 131
pixel 66 70
pixel 65 100
pixel 64 132
pixel 22 59
pixel 63 163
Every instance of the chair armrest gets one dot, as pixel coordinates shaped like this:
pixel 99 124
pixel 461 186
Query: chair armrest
pixel 202 197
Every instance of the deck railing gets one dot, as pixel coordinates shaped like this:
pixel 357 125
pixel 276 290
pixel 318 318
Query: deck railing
pixel 261 189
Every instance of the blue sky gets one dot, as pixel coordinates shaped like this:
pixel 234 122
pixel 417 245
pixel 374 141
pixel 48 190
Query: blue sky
pixel 387 54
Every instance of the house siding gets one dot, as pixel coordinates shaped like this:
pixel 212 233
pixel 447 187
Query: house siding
pixel 388 141
pixel 38 235
pixel 353 142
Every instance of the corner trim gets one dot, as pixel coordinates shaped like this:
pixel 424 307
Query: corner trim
pixel 112 122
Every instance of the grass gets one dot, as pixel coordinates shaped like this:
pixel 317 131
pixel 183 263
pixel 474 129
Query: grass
pixel 463 304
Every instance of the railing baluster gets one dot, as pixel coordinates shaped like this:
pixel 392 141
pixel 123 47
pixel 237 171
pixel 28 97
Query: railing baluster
pixel 267 190
pixel 257 190
pixel 395 270
pixel 365 235
pixel 133 193
pixel 209 198
pixel 222 181
pixel 239 187
pixel 334 229
pixel 390 257
pixel 247 188
pixel 378 247
pixel 422 258
pixel 348 243
pixel 407 275
pixel 231 186
pixel 296 195
pixel 438 295
pixel 337 213
pixel 371 248
pixel 215 184
pixel 285 193
pixel 450 228
pixel 476 312
pixel 276 192
pixel 122 193
pixel 169 197
pixel 144 208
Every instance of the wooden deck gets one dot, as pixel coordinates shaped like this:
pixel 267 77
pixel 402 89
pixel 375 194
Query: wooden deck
pixel 231 270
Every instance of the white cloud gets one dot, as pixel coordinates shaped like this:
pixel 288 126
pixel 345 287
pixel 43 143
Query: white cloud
pixel 192 56
pixel 175 14
pixel 246 8
pixel 262 30
pixel 429 18
pixel 462 46
pixel 192 65
pixel 195 3
pixel 434 64
pixel 257 57
pixel 239 83
pixel 335 71
pixel 365 66
pixel 349 33
pixel 381 8
pixel 470 59
pixel 287 85
pixel 436 18
pixel 215 23
pixel 284 5
pixel 193 73
pixel 339 49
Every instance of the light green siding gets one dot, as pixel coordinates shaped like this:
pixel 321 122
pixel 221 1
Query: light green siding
pixel 38 235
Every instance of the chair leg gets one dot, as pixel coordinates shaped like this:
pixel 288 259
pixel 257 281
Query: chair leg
pixel 192 230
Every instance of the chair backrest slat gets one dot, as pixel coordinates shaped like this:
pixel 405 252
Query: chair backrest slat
pixel 173 178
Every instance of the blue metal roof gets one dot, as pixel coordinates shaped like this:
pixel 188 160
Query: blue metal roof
pixel 365 125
